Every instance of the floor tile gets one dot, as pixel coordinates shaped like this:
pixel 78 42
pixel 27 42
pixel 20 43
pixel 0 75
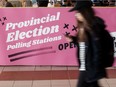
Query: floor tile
pixel 60 74
pixel 59 68
pixel 26 68
pixel 73 83
pixel 1 68
pixel 73 74
pixel 103 82
pixel 110 68
pixel 111 73
pixel 25 75
pixel 73 68
pixel 61 86
pixel 43 75
pixel 42 86
pixel 11 68
pixel 7 76
pixel 6 83
pixel 43 68
pixel 111 81
pixel 60 83
pixel 41 83
pixel 22 84
pixel 112 86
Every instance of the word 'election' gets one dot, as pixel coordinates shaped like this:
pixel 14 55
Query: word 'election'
pixel 38 31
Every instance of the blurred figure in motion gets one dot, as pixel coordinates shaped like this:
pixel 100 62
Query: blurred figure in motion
pixel 1 3
pixel 101 2
pixel 34 3
pixel 6 3
pixel 66 3
pixel 87 39
pixel 42 3
pixel 27 3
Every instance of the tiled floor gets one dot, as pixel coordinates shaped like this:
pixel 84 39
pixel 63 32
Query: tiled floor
pixel 47 76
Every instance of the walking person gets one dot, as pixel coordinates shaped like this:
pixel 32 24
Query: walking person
pixel 88 50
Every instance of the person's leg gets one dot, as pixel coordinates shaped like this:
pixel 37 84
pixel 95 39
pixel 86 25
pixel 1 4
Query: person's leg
pixel 93 84
pixel 81 81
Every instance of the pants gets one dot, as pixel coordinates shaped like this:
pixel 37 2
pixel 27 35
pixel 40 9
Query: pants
pixel 82 81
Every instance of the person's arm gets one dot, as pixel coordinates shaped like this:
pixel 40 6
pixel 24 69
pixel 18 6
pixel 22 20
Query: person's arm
pixel 73 39
pixel 82 40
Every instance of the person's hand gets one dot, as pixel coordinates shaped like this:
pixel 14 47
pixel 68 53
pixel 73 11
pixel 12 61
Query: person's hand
pixel 68 38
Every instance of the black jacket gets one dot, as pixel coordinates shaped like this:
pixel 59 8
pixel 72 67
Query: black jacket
pixel 94 66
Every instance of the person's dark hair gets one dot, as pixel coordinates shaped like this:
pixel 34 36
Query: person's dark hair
pixel 89 16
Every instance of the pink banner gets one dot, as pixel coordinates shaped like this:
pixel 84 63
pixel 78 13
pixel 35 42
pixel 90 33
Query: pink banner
pixel 35 36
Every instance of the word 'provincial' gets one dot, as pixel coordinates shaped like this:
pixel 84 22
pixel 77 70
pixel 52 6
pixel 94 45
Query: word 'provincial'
pixel 33 21
pixel 38 31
